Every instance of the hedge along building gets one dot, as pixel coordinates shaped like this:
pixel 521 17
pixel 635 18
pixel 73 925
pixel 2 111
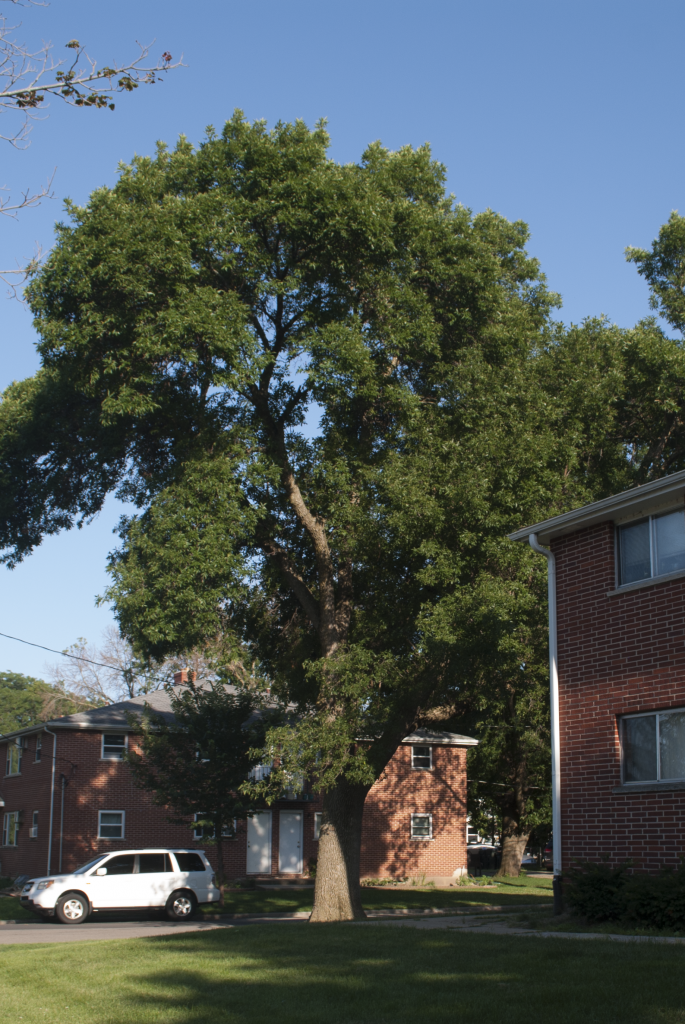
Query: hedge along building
pixel 68 794
pixel 617 668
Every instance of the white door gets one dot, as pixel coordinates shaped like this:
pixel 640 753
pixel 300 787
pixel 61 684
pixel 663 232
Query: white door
pixel 259 844
pixel 290 843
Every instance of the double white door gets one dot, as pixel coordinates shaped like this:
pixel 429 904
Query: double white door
pixel 289 843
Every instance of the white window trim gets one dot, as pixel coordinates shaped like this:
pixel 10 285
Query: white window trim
pixel 420 767
pixel 421 839
pixel 318 818
pixel 112 839
pixel 111 757
pixel 648 714
pixel 16 744
pixel 637 584
pixel 38 752
pixel 6 829
pixel 33 831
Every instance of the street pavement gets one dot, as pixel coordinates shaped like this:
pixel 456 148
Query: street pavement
pixel 51 931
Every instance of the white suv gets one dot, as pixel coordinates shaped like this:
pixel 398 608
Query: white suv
pixel 133 879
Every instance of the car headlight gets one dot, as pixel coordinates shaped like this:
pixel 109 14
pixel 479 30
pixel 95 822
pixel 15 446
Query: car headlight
pixel 45 885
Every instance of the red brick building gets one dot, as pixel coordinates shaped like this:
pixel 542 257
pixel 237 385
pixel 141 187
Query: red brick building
pixel 68 795
pixel 619 632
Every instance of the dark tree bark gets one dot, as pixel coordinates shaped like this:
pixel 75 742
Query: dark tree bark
pixel 337 891
pixel 513 848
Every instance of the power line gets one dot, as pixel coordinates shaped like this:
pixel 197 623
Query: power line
pixel 63 653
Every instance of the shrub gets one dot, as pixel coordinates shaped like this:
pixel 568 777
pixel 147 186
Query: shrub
pixel 599 892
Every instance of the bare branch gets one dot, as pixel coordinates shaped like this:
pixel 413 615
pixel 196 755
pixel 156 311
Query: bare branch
pixel 27 77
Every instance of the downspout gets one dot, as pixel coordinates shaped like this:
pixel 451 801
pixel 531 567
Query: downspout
pixel 554 709
pixel 52 792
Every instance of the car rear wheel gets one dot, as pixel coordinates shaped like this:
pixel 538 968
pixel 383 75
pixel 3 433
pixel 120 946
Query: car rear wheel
pixel 72 908
pixel 181 905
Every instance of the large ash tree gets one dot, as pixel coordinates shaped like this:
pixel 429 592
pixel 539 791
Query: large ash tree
pixel 191 319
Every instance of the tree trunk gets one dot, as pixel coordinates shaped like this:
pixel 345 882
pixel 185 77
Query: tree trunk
pixel 513 847
pixel 337 892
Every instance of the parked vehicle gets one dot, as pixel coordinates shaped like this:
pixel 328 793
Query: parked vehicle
pixel 176 880
pixel 483 857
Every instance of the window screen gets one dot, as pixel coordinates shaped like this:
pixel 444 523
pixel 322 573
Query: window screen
pixel 651 547
pixel 421 757
pixel 111 825
pixel 654 747
pixel 421 826
pixel 113 745
pixel 189 862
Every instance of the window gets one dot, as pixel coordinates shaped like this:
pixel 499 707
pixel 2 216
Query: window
pixel 39 748
pixel 422 826
pixel 122 865
pixel 651 547
pixel 318 816
pixel 207 832
pixel 260 772
pixel 14 748
pixel 189 862
pixel 471 833
pixel 10 829
pixel 33 831
pixel 653 747
pixel 153 863
pixel 421 757
pixel 111 824
pixel 113 746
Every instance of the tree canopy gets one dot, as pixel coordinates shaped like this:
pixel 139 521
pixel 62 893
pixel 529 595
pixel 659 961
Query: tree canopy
pixel 194 315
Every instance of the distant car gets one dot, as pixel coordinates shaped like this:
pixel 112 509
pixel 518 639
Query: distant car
pixel 529 860
pixel 176 880
pixel 548 856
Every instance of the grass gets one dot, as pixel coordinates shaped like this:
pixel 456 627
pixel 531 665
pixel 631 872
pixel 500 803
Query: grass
pixel 344 974
pixel 509 892
pixel 12 909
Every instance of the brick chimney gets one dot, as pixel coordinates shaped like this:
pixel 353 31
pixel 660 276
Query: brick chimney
pixel 184 677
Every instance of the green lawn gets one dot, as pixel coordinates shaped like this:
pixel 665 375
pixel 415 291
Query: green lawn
pixel 344 974
pixel 12 909
pixel 507 893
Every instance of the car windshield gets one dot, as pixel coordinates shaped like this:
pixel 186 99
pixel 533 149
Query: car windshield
pixel 91 864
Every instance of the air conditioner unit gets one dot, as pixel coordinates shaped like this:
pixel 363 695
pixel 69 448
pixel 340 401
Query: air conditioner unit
pixel 33 832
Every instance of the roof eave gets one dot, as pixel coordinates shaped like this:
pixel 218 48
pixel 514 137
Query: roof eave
pixel 635 501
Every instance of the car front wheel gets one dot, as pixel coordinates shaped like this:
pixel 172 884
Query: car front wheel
pixel 181 906
pixel 72 908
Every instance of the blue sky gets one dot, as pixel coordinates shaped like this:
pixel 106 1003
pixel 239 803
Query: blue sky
pixel 566 114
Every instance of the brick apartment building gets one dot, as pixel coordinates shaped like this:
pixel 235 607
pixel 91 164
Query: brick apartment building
pixel 620 651
pixel 68 795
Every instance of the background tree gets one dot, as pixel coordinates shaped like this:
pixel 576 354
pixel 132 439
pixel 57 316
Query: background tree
pixel 25 701
pixel 189 319
pixel 196 764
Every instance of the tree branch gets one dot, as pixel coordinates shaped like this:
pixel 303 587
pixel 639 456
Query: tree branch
pixel 295 581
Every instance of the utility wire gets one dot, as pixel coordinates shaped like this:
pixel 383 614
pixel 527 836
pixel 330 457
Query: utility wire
pixel 64 654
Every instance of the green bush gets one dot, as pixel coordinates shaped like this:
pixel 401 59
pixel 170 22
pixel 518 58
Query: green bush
pixel 599 892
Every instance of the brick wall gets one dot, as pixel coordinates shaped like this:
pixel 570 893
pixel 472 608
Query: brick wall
pixel 618 654
pixel 95 785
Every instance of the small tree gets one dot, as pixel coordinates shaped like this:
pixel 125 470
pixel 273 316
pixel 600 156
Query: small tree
pixel 195 763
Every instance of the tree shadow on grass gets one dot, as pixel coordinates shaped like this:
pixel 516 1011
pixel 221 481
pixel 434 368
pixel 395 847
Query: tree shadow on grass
pixel 349 974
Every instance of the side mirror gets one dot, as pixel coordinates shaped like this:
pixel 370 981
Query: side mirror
pixel 101 871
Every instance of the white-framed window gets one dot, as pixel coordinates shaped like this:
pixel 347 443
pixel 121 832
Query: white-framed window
pixel 10 829
pixel 39 747
pixel 472 835
pixel 14 749
pixel 111 824
pixel 653 747
pixel 260 772
pixel 318 818
pixel 229 831
pixel 422 757
pixel 654 546
pixel 422 826
pixel 113 745
pixel 33 831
